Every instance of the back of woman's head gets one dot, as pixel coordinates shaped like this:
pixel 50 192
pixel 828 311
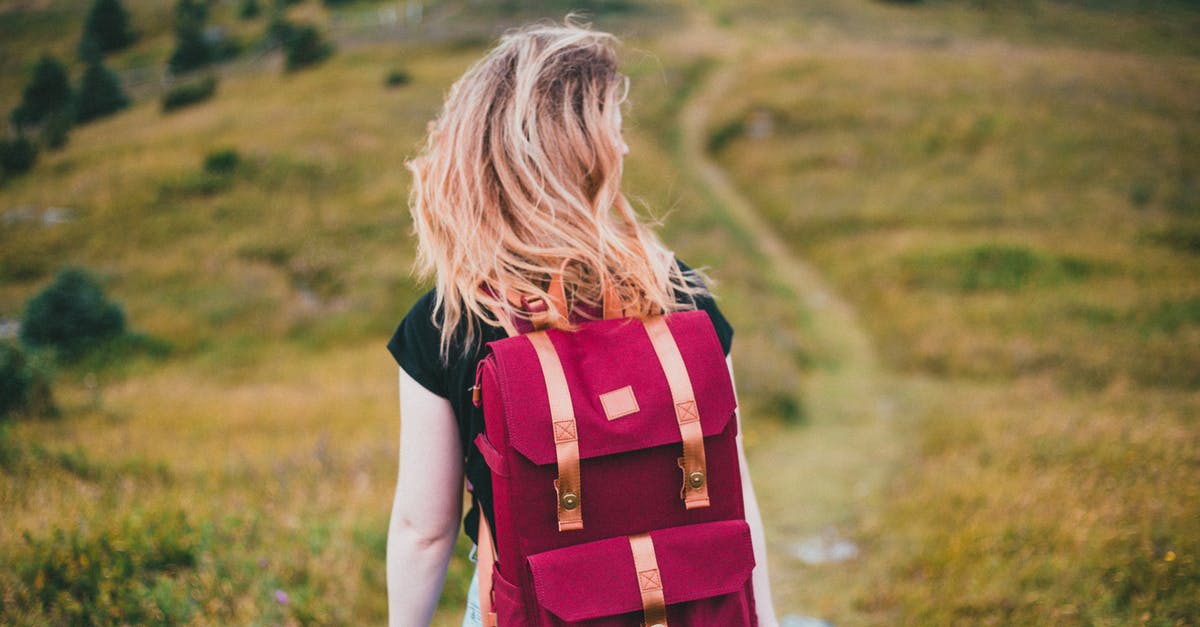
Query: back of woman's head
pixel 520 177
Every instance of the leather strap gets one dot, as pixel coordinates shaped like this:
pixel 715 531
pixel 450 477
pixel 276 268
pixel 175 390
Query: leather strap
pixel 485 555
pixel 566 437
pixel 654 604
pixel 695 471
pixel 545 315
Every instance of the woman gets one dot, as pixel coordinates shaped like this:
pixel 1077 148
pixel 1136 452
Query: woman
pixel 520 179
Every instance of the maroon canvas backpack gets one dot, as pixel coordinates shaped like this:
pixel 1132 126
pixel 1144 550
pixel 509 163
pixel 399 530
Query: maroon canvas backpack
pixel 615 475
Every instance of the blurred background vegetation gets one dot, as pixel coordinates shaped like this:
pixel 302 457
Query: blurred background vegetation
pixel 958 241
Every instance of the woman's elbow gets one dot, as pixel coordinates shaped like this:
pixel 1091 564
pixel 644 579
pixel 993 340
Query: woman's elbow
pixel 421 538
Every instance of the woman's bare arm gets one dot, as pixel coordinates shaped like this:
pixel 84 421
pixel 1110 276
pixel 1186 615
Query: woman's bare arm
pixel 762 583
pixel 427 505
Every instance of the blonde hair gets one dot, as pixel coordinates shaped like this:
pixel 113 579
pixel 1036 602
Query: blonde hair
pixel 520 177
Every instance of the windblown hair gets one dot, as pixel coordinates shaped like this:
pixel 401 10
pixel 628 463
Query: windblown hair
pixel 520 177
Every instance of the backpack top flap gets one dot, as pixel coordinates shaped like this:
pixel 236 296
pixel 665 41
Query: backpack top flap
pixel 619 392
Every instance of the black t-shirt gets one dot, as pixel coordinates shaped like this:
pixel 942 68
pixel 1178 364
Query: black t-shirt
pixel 416 347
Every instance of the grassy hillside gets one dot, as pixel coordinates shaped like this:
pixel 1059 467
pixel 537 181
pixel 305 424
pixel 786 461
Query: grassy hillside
pixel 1007 194
pixel 246 476
pixel 1015 216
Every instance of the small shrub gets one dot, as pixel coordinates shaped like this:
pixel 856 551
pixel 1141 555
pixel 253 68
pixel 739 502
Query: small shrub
pixel 56 128
pixel 100 94
pixel 1183 238
pixel 122 572
pixel 224 46
pixel 789 409
pixel 724 134
pixel 24 385
pixel 71 316
pixel 17 156
pixel 999 267
pixel 192 50
pixel 303 46
pixel 1141 194
pixel 223 161
pixel 189 93
pixel 249 10
pixel 1171 315
pixel 49 90
pixel 106 29
pixel 397 78
pixel 279 30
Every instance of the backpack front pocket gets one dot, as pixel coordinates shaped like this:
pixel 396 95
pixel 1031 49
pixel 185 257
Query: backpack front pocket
pixel 700 572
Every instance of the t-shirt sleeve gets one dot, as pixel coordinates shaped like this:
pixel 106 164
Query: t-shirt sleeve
pixel 720 324
pixel 415 346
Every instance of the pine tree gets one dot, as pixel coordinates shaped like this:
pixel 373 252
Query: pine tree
pixel 17 156
pixel 249 10
pixel 191 49
pixel 100 94
pixel 303 47
pixel 71 315
pixel 106 29
pixel 47 92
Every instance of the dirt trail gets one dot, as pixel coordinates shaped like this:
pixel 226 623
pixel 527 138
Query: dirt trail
pixel 820 480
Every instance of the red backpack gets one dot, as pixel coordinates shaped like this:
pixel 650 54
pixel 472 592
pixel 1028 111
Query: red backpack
pixel 615 475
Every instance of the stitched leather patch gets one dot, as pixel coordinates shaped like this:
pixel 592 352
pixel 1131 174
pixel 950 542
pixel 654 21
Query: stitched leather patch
pixel 564 431
pixel 649 579
pixel 619 402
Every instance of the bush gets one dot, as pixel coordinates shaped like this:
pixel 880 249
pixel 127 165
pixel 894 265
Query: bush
pixel 105 30
pixel 249 10
pixel 24 385
pixel 189 93
pixel 56 128
pixel 119 572
pixel 223 161
pixel 724 134
pixel 303 46
pixel 17 156
pixel 100 94
pixel 279 30
pixel 192 50
pixel 48 91
pixel 71 316
pixel 397 78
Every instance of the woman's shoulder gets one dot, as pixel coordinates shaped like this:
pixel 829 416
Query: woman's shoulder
pixel 416 344
pixel 420 317
pixel 707 303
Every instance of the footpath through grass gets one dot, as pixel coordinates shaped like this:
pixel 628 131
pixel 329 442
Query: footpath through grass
pixel 1014 218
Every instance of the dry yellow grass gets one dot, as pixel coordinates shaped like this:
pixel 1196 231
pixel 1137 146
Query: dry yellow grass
pixel 1000 214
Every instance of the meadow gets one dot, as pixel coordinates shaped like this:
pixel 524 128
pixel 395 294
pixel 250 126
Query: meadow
pixel 1014 212
pixel 1005 194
